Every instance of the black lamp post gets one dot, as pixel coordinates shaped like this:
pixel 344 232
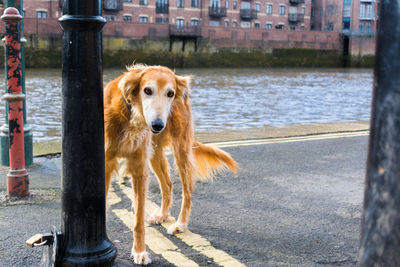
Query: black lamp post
pixel 84 240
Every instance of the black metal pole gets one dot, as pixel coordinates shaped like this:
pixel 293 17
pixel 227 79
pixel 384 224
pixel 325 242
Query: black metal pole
pixel 84 239
pixel 380 238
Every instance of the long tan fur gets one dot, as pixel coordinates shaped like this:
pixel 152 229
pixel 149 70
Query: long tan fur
pixel 211 160
pixel 133 103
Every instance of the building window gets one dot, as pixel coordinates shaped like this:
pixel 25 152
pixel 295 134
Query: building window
pixel 180 3
pixel 245 24
pixel 161 20
pixel 292 27
pixel 256 25
pixel 143 19
pixel 269 9
pixel 162 6
pixel 127 18
pixel 194 22
pixel 235 5
pixel 226 24
pixel 329 27
pixel 268 26
pixel 303 10
pixel 281 10
pixel 368 27
pixel 143 2
pixel 366 11
pixel 128 1
pixel 234 24
pixel 312 12
pixel 280 27
pixel 41 14
pixel 110 17
pixel 258 7
pixel 195 3
pixel 214 23
pixel 361 27
pixel 226 4
pixel 180 23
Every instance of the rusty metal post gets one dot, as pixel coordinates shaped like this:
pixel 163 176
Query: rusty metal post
pixel 380 237
pixel 84 239
pixel 17 177
pixel 28 136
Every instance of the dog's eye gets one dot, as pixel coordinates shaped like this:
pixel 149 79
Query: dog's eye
pixel 170 94
pixel 147 91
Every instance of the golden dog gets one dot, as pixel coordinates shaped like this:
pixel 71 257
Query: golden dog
pixel 145 110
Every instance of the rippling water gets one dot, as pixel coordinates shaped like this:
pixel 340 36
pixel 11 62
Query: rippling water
pixel 230 98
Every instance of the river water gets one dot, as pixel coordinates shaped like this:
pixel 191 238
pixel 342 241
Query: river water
pixel 230 98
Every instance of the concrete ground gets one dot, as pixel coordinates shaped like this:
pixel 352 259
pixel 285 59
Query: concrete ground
pixel 297 201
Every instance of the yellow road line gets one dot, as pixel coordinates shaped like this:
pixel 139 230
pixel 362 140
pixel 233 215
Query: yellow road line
pixel 288 139
pixel 158 243
pixel 193 240
pixel 112 198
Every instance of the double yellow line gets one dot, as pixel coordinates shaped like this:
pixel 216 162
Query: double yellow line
pixel 163 246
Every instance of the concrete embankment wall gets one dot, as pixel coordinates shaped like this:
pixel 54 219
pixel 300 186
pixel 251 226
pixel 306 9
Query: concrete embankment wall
pixel 43 52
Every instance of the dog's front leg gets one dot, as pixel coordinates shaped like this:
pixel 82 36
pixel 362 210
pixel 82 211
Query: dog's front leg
pixel 136 167
pixel 184 161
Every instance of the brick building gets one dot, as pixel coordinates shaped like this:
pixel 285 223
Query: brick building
pixel 267 14
pixel 347 25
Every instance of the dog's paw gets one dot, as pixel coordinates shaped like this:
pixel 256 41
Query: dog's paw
pixel 141 258
pixel 157 218
pixel 177 228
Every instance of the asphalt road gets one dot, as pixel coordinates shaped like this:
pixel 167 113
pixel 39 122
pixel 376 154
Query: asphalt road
pixel 293 203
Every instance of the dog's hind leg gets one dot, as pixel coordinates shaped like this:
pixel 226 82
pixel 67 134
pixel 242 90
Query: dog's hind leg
pixel 159 165
pixel 136 167
pixel 184 161
pixel 111 166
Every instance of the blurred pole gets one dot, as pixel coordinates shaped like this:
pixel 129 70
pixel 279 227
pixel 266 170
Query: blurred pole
pixel 28 136
pixel 17 176
pixel 84 240
pixel 380 238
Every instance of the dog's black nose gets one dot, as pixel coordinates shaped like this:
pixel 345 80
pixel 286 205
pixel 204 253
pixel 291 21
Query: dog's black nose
pixel 157 125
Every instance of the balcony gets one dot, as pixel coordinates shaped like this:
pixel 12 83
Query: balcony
pixel 295 18
pixel 296 2
pixel 248 13
pixel 368 16
pixel 217 12
pixel 162 8
pixel 184 31
pixel 112 5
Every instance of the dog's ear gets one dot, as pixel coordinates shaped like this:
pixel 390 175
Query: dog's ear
pixel 182 86
pixel 129 84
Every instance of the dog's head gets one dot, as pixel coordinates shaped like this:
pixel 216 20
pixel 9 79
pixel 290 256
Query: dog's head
pixel 152 91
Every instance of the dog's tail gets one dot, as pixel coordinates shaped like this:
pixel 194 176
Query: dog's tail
pixel 211 160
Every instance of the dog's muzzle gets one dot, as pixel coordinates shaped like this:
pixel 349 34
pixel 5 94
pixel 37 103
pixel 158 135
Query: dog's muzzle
pixel 157 126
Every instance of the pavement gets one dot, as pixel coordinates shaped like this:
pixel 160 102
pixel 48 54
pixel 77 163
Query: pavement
pixel 296 201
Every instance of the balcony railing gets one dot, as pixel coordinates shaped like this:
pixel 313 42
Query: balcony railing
pixel 113 5
pixel 184 31
pixel 217 12
pixel 296 2
pixel 369 16
pixel 162 8
pixel 295 18
pixel 248 13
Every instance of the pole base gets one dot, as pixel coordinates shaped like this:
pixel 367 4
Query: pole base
pixel 104 256
pixel 17 183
